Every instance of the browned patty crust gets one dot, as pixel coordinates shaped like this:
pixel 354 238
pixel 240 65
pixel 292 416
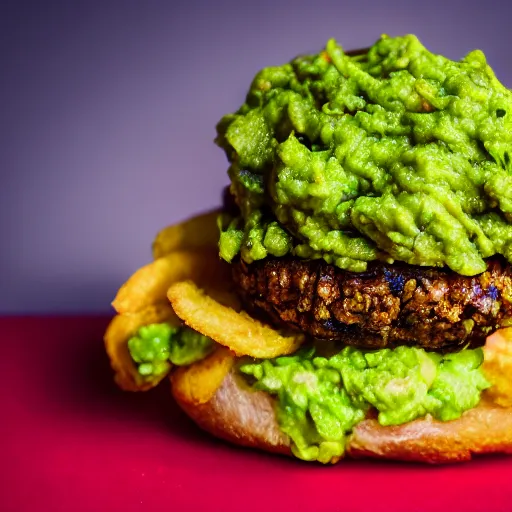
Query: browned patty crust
pixel 386 306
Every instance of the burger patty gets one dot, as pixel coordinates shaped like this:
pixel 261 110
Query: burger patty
pixel 386 306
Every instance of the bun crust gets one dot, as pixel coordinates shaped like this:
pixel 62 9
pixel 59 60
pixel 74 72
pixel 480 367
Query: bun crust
pixel 240 415
pixel 486 428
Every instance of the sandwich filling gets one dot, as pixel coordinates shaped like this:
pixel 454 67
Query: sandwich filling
pixel 392 154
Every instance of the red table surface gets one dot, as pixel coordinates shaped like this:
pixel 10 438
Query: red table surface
pixel 72 441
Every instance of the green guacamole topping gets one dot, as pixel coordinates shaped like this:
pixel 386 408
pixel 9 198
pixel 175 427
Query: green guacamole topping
pixel 320 399
pixel 156 346
pixel 395 154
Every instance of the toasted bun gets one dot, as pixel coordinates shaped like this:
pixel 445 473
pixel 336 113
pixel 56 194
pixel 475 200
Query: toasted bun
pixel 486 428
pixel 240 415
pixel 246 417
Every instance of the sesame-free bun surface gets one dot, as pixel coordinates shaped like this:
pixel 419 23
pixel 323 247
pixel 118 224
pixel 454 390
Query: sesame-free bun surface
pixel 246 417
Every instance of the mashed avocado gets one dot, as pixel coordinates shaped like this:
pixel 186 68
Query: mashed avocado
pixel 396 154
pixel 320 399
pixel 156 346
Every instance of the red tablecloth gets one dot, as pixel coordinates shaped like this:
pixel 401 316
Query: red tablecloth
pixel 70 441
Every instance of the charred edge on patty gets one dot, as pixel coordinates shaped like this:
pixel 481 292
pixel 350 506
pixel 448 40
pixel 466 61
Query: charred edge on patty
pixel 386 306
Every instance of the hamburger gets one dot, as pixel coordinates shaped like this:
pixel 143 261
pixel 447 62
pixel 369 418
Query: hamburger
pixel 353 295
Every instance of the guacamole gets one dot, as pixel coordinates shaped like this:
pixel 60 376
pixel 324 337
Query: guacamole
pixel 156 347
pixel 393 154
pixel 321 398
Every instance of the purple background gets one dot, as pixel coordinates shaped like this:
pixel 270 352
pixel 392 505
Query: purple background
pixel 109 108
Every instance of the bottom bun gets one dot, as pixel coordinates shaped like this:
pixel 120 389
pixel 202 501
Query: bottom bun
pixel 487 428
pixel 246 417
pixel 240 415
